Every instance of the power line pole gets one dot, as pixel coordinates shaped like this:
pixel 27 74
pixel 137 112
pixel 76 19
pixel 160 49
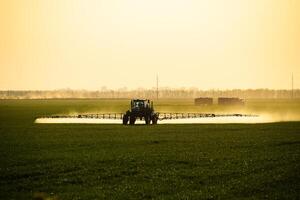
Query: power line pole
pixel 292 85
pixel 156 87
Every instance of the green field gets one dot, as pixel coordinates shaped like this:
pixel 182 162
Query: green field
pixel 196 161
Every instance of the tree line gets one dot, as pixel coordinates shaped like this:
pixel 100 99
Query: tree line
pixel 149 93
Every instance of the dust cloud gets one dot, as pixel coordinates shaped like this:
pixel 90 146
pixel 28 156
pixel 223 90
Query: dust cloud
pixel 214 120
pixel 76 121
pixel 267 111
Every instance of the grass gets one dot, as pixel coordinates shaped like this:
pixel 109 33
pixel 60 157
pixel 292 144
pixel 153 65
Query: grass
pixel 201 161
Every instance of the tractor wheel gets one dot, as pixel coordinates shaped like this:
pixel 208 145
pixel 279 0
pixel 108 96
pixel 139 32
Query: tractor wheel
pixel 131 120
pixel 125 119
pixel 147 120
pixel 154 119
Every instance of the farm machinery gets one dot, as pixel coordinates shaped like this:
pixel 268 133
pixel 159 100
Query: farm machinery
pixel 142 109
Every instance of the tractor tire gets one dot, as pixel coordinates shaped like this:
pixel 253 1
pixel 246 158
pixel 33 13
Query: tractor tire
pixel 131 120
pixel 154 119
pixel 147 120
pixel 125 119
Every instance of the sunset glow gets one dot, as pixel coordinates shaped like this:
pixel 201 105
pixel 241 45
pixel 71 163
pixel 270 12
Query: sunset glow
pixel 192 43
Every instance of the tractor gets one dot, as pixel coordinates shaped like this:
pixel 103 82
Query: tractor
pixel 140 109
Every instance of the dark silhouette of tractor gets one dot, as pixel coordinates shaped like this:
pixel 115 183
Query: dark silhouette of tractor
pixel 140 109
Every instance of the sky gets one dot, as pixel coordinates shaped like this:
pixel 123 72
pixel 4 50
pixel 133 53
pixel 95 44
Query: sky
pixel 208 44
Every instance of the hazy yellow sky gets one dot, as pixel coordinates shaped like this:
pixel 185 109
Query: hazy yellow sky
pixel 87 44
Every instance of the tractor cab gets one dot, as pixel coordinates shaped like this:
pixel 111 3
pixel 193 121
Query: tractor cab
pixel 140 105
